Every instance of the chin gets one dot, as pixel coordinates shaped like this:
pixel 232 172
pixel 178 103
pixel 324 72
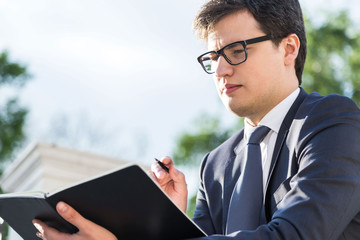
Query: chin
pixel 238 111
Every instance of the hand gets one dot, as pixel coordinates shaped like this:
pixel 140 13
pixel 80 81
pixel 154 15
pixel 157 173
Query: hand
pixel 87 229
pixel 173 183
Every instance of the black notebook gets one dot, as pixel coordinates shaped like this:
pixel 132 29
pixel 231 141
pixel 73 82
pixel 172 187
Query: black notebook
pixel 126 201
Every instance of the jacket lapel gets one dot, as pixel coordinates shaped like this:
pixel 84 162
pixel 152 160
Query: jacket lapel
pixel 283 133
pixel 231 175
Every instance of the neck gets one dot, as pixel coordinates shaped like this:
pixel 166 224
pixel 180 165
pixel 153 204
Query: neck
pixel 255 120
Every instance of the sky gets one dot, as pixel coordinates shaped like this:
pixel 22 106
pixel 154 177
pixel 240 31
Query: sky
pixel 118 78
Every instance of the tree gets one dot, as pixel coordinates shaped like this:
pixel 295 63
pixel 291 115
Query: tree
pixel 12 115
pixel 192 145
pixel 332 66
pixel 333 60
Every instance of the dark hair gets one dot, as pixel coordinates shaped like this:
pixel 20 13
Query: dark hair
pixel 276 18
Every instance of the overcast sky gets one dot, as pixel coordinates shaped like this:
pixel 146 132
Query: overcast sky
pixel 124 71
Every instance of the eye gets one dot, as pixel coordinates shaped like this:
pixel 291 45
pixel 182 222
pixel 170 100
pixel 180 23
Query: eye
pixel 235 52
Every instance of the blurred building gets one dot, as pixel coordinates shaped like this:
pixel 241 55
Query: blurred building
pixel 46 167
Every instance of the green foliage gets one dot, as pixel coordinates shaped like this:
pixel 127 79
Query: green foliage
pixel 191 206
pixel 11 73
pixel 12 116
pixel 12 119
pixel 333 60
pixel 207 135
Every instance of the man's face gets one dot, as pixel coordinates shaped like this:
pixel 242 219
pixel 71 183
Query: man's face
pixel 254 87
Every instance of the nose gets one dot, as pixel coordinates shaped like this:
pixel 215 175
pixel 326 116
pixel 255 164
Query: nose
pixel 223 68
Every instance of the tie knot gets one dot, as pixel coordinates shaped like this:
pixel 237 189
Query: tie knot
pixel 258 134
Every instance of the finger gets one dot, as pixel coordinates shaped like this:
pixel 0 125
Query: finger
pixel 175 174
pixel 179 180
pixel 46 232
pixel 39 225
pixel 167 161
pixel 153 177
pixel 159 172
pixel 156 170
pixel 72 216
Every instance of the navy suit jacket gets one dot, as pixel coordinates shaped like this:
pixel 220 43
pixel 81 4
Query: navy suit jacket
pixel 313 189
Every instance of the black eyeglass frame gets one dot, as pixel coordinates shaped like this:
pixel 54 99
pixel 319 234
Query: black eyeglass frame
pixel 244 43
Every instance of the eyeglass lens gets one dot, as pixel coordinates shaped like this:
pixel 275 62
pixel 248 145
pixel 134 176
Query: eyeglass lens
pixel 233 53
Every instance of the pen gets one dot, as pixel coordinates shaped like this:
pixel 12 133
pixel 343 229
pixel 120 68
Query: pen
pixel 163 166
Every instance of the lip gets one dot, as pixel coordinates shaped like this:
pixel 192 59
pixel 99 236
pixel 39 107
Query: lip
pixel 230 88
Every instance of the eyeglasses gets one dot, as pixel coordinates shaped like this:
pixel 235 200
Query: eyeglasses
pixel 234 53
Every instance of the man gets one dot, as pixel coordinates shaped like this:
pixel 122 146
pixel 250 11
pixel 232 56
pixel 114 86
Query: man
pixel 310 153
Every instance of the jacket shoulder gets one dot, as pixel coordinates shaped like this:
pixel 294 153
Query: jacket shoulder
pixel 333 103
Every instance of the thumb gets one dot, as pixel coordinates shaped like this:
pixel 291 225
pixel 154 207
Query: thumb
pixel 71 215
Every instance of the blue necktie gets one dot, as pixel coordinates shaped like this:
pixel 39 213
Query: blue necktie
pixel 247 199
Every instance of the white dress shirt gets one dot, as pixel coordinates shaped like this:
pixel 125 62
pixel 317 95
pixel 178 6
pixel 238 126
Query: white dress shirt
pixel 272 120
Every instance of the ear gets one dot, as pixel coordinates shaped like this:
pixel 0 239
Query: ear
pixel 291 45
